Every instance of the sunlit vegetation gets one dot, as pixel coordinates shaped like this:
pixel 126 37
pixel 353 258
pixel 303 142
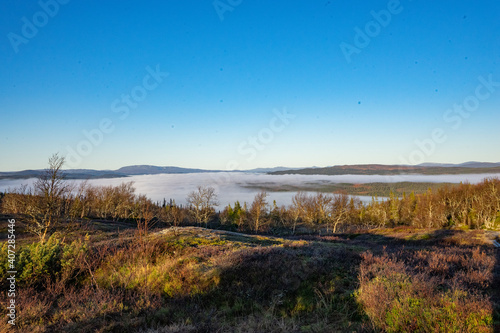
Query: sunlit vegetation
pixel 429 290
pixel 193 279
pixel 104 259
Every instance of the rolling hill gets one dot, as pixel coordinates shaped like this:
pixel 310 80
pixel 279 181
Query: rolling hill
pixel 378 169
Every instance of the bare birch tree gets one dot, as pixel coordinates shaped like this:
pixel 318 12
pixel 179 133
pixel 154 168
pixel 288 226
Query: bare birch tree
pixel 46 206
pixel 258 210
pixel 202 203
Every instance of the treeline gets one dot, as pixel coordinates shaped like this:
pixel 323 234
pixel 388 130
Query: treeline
pixel 463 205
pixel 52 201
pixel 474 206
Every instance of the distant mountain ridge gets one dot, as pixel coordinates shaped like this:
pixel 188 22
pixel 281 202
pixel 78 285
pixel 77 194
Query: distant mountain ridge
pixel 267 170
pixel 465 165
pixel 368 169
pixel 135 170
pixel 379 169
pixel 131 170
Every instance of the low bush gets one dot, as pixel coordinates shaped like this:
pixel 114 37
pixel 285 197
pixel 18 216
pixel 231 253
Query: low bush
pixel 427 291
pixel 39 262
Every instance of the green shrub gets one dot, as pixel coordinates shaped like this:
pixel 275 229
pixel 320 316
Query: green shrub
pixel 52 259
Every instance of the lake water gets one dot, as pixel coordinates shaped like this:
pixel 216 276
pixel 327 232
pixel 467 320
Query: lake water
pixel 230 186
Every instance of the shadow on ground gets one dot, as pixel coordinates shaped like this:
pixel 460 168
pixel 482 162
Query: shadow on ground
pixel 273 285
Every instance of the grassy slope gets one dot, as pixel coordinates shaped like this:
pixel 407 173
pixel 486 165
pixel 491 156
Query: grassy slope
pixel 198 280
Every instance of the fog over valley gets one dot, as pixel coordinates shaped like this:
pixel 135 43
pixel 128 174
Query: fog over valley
pixel 241 186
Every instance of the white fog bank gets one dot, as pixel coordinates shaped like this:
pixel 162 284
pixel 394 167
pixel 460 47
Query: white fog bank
pixel 231 186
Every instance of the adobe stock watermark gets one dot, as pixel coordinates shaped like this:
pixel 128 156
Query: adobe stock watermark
pixel 264 137
pixel 373 28
pixel 11 272
pixel 454 117
pixel 121 107
pixel 30 27
pixel 249 148
pixel 223 6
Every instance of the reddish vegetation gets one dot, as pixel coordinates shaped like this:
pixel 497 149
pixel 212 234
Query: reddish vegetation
pixel 428 290
pixel 84 275
pixel 197 280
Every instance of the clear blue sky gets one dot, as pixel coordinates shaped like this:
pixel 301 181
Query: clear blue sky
pixel 231 69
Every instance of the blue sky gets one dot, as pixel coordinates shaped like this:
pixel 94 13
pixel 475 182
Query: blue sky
pixel 250 83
